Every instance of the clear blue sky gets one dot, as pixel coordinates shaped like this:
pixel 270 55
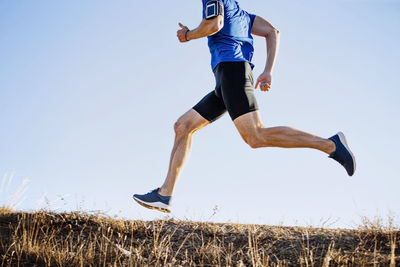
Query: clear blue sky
pixel 89 92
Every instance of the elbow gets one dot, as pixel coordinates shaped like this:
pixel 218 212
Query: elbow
pixel 213 29
pixel 272 33
pixel 212 26
pixel 275 32
pixel 220 23
pixel 217 26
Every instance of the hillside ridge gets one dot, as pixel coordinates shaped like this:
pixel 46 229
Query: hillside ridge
pixel 79 239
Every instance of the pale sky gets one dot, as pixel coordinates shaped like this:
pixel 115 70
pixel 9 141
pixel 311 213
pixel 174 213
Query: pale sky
pixel 89 92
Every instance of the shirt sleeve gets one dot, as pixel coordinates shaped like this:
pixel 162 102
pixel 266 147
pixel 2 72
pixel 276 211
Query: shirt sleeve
pixel 252 18
pixel 204 6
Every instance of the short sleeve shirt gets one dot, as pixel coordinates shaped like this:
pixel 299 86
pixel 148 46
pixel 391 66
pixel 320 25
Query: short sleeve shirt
pixel 234 41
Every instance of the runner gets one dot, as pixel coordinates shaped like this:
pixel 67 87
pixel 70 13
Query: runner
pixel 229 30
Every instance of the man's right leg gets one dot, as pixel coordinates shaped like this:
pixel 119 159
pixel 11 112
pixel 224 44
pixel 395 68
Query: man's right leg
pixel 209 109
pixel 185 127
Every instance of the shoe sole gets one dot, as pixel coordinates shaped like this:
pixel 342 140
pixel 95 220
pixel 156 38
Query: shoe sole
pixel 151 207
pixel 344 142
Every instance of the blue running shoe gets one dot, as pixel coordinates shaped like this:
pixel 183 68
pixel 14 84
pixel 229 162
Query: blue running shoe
pixel 343 154
pixel 153 200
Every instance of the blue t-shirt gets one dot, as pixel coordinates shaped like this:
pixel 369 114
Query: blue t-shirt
pixel 234 41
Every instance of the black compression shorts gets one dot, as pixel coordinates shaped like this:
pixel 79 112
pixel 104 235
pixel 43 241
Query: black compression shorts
pixel 233 92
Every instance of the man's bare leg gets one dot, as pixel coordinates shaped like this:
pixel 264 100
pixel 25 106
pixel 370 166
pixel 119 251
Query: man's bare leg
pixel 185 127
pixel 256 135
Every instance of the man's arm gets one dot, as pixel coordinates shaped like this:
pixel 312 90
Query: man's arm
pixel 207 27
pixel 263 28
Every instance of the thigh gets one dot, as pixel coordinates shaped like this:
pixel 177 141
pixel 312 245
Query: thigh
pixel 237 88
pixel 211 107
pixel 248 124
pixel 191 121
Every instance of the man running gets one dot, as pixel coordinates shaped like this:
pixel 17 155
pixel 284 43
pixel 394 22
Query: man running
pixel 229 30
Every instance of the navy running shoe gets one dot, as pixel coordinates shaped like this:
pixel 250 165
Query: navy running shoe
pixel 343 154
pixel 153 200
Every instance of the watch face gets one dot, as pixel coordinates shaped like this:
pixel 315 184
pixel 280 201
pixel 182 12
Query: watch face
pixel 211 10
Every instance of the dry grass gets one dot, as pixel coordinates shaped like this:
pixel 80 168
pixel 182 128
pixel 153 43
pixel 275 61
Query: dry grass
pixel 78 239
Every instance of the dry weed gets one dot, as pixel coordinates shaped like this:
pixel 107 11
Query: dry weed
pixel 78 239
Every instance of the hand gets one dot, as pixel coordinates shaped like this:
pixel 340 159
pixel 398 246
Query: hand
pixel 182 33
pixel 265 81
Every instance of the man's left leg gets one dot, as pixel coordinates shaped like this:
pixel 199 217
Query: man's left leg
pixel 256 135
pixel 238 94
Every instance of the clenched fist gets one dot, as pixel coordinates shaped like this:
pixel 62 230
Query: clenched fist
pixel 182 33
pixel 265 81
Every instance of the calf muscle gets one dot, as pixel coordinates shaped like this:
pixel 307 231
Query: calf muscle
pixel 186 125
pixel 256 135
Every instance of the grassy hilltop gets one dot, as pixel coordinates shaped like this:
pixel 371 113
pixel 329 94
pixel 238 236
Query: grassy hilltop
pixel 78 239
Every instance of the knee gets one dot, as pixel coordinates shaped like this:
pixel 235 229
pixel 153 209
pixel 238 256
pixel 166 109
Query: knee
pixel 182 127
pixel 254 141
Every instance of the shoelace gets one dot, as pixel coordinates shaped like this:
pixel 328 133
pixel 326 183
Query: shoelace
pixel 151 191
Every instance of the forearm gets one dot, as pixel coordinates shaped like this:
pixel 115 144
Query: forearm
pixel 206 28
pixel 272 41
